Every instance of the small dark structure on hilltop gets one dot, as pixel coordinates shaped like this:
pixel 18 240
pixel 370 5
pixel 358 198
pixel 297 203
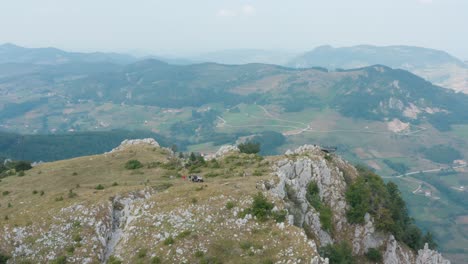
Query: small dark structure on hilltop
pixel 328 149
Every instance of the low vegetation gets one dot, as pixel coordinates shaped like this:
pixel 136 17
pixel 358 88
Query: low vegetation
pixel 384 203
pixel 133 164
pixel 249 147
pixel 325 212
pixel 340 253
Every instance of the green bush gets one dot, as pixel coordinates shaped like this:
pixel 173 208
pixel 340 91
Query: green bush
pixel 261 207
pixel 230 205
pixel 374 255
pixel 133 165
pixel 60 260
pixel 280 216
pixel 114 260
pixel 338 253
pixel 169 241
pixel 4 258
pixel 156 260
pixel 249 147
pixel 142 253
pixel 99 187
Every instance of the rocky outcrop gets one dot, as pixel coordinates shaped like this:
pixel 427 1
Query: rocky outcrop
pixel 132 142
pixel 295 174
pixel 309 164
pixel 427 255
pixel 223 151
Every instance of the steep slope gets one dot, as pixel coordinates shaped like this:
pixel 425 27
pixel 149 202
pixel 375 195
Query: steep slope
pixel 436 66
pixel 94 210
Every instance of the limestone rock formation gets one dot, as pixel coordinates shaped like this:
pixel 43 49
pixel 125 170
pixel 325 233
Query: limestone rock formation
pixel 132 142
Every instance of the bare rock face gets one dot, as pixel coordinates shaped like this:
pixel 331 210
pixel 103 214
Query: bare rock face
pixel 296 174
pixel 396 254
pixel 309 164
pixel 223 151
pixel 132 142
pixel 427 255
pixel 365 236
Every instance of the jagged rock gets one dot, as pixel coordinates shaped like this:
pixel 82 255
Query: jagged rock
pixel 396 254
pixel 428 256
pixel 223 151
pixel 132 142
pixel 366 237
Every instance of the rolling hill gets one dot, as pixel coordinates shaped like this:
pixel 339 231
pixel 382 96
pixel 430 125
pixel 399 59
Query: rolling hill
pixel 436 66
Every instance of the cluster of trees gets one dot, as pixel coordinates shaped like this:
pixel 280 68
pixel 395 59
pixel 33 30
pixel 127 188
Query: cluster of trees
pixel 249 147
pixel 368 193
pixel 399 167
pixel 441 154
pixel 6 167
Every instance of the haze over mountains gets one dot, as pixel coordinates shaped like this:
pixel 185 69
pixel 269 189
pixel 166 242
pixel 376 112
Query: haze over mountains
pixel 387 118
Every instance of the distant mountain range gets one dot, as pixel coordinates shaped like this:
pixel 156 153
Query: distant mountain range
pixel 10 53
pixel 436 66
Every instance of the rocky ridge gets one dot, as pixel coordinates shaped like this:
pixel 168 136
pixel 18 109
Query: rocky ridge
pixel 177 221
pixel 331 173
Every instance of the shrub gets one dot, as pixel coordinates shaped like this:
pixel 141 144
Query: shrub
pixel 261 207
pixel 71 194
pixel 115 184
pixel 199 253
pixel 245 245
pixel 22 165
pixel 21 174
pixel 76 238
pixel 70 249
pixel 99 187
pixel 280 216
pixel 133 165
pixel 169 241
pixel 230 205
pixel 374 255
pixel 156 260
pixel 114 260
pixel 5 193
pixel 60 260
pixel 4 258
pixel 34 192
pixel 325 212
pixel 59 199
pixel 142 253
pixel 41 193
pixel 338 253
pixel 249 147
pixel 184 234
pixel 194 200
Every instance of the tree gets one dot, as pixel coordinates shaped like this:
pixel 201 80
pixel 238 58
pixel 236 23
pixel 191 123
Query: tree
pixel 133 165
pixel 249 147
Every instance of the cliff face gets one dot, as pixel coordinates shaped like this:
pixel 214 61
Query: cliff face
pixel 309 164
pixel 152 216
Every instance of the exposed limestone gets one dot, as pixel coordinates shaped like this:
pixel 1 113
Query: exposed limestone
pixel 132 142
pixel 223 151
pixel 308 164
pixel 427 255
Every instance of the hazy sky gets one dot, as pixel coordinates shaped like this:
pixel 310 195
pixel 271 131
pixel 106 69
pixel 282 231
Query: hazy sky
pixel 191 26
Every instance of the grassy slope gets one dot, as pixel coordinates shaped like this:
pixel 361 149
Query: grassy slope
pixel 201 200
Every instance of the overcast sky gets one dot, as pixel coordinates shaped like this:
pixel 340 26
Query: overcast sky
pixel 196 26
